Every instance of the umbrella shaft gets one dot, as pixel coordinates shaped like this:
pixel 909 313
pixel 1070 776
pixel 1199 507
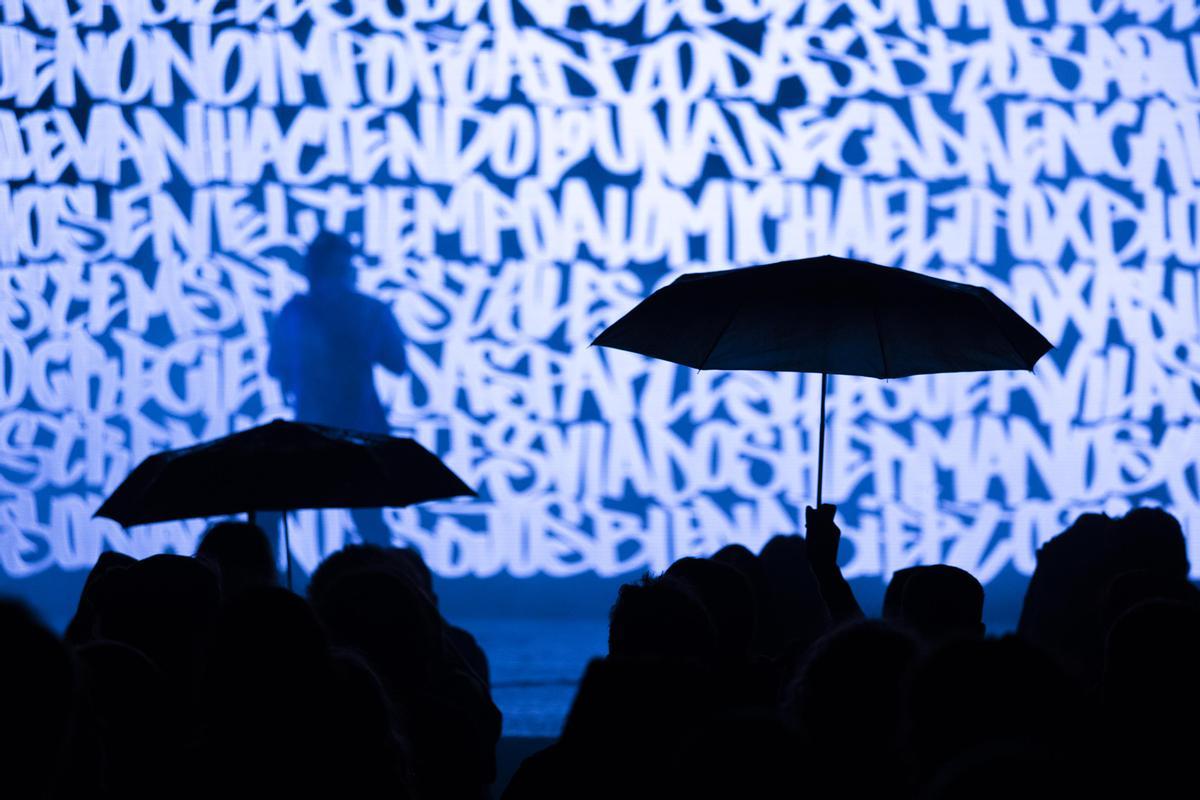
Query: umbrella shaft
pixel 821 440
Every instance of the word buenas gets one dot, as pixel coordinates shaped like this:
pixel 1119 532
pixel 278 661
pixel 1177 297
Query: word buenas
pixel 516 176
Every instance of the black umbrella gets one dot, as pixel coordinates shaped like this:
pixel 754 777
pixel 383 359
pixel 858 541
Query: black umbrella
pixel 281 466
pixel 829 315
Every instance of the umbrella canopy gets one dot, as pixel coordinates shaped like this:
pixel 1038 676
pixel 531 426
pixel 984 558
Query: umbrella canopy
pixel 831 315
pixel 281 466
pixel 835 316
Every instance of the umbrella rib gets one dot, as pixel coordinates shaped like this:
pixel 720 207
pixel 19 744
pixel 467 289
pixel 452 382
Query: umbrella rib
pixel 1000 327
pixel 879 336
pixel 717 339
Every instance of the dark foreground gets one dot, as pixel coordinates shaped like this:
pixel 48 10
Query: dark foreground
pixel 739 675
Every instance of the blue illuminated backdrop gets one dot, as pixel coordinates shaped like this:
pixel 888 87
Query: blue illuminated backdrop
pixel 518 175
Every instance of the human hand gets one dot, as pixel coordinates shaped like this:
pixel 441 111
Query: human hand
pixel 822 536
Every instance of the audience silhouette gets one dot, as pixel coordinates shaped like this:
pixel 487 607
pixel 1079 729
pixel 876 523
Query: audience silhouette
pixel 846 701
pixel 936 601
pixel 241 556
pixel 739 675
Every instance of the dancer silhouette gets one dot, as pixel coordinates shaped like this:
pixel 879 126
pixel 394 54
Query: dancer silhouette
pixel 324 348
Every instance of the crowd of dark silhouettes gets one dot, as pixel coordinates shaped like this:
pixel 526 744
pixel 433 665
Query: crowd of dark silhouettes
pixel 735 676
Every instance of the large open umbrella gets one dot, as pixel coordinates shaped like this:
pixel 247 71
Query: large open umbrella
pixel 835 316
pixel 281 466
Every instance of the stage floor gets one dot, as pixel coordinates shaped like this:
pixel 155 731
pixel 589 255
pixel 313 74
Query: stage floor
pixel 536 664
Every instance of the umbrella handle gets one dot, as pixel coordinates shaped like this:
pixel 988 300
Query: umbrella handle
pixel 821 440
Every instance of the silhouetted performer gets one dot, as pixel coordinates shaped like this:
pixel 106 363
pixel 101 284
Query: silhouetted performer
pixel 324 348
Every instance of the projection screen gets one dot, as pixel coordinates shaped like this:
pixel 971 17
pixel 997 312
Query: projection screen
pixel 517 175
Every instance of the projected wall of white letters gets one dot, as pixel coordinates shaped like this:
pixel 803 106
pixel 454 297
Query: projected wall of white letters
pixel 517 175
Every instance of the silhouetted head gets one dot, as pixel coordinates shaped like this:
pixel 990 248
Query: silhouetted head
pixel 1153 539
pixel 850 688
pixel 767 637
pixel 847 704
pixel 328 260
pixel 241 554
pixel 356 558
pixel 940 600
pixel 164 606
pixel 1063 610
pixel 82 626
pixel 660 618
pixel 382 615
pixel 725 594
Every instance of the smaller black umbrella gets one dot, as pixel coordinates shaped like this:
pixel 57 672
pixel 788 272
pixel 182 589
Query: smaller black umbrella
pixel 829 315
pixel 281 466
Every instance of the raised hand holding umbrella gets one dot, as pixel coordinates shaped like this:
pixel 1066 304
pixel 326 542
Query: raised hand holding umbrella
pixel 828 315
